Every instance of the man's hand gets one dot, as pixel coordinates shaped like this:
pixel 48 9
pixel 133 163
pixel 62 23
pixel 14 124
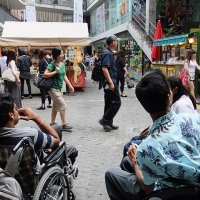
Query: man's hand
pixel 27 114
pixel 132 153
pixel 111 86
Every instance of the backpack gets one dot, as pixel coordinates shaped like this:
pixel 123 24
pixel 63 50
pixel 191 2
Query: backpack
pixel 9 187
pixel 98 71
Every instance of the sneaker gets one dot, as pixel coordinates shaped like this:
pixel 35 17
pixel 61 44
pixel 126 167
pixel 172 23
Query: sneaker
pixel 66 128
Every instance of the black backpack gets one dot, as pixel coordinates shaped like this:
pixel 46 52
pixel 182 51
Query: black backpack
pixel 98 73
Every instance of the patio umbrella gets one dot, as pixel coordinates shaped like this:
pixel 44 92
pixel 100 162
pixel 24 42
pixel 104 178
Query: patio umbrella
pixel 155 53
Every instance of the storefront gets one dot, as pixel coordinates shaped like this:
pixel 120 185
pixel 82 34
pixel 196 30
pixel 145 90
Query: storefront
pixel 69 39
pixel 173 53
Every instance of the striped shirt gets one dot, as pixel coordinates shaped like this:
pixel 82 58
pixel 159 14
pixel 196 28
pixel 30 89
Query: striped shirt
pixel 9 137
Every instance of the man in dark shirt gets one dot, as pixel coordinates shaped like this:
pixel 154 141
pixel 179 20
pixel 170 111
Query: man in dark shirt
pixel 111 90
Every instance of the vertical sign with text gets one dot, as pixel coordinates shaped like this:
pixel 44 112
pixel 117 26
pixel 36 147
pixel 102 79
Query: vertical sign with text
pixel 30 11
pixel 78 11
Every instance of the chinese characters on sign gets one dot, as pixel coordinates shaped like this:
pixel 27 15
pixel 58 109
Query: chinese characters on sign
pixel 78 11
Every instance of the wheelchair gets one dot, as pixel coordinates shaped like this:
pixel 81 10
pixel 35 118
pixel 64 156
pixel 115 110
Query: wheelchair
pixel 53 179
pixel 191 190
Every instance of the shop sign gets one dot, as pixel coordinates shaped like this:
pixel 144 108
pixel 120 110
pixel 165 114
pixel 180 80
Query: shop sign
pixel 78 11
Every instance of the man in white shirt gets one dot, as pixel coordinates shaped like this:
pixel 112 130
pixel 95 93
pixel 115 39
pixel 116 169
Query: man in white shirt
pixel 3 66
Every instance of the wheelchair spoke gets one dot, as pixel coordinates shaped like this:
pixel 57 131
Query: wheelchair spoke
pixel 53 186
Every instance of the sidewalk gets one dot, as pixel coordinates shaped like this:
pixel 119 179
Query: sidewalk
pixel 98 150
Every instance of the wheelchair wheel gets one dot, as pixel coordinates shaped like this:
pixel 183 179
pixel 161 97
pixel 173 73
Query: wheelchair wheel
pixel 52 185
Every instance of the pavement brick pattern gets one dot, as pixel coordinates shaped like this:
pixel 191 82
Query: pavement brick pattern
pixel 98 150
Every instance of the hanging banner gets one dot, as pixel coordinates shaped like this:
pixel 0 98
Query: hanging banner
pixel 30 14
pixel 78 11
pixel 100 19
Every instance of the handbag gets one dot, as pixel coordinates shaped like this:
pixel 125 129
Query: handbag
pixel 183 76
pixel 45 83
pixel 8 75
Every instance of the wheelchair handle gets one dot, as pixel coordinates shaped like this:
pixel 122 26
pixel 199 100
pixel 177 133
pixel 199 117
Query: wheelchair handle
pixel 25 142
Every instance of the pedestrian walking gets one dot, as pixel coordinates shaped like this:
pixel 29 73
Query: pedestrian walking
pixel 121 71
pixel 24 63
pixel 3 67
pixel 14 87
pixel 87 61
pixel 190 66
pixel 43 63
pixel 111 90
pixel 56 69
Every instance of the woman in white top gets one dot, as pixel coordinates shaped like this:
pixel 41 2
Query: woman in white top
pixel 190 67
pixel 14 88
pixel 183 101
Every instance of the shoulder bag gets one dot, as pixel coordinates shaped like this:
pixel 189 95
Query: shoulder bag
pixel 45 83
pixel 8 75
pixel 183 76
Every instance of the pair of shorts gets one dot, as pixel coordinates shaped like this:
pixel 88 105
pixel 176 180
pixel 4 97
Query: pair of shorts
pixel 58 101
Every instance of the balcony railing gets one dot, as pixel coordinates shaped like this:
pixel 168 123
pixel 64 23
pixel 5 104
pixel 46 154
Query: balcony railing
pixel 6 16
pixel 64 3
pixel 144 23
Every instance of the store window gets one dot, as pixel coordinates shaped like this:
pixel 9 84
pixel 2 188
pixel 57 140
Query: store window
pixel 67 18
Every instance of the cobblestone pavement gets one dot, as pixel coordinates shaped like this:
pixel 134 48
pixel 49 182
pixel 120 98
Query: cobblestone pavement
pixel 98 150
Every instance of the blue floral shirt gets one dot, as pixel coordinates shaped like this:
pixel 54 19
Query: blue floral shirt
pixel 172 149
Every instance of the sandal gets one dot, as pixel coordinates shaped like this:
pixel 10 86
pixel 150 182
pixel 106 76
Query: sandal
pixel 123 95
pixel 49 106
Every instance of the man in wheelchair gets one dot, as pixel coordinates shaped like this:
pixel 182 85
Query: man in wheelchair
pixel 45 138
pixel 55 166
pixel 170 155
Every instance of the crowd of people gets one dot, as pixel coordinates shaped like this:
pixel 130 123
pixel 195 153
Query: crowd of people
pixel 169 147
pixel 49 64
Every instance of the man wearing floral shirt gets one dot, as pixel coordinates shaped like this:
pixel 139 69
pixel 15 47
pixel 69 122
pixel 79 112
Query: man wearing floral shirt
pixel 172 148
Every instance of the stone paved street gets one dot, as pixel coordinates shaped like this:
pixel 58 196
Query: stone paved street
pixel 98 150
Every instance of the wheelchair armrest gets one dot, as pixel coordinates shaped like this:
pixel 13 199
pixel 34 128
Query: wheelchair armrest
pixel 56 153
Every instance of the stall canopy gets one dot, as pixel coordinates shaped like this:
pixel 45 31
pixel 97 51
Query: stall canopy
pixel 45 34
pixel 172 40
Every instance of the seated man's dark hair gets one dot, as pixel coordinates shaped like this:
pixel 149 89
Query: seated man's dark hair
pixel 175 82
pixel 152 91
pixel 6 106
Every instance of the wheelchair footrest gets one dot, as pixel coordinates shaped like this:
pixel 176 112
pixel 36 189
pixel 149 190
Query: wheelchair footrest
pixel 75 172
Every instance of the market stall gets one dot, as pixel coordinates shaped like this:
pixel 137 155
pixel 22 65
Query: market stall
pixel 173 53
pixel 32 35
